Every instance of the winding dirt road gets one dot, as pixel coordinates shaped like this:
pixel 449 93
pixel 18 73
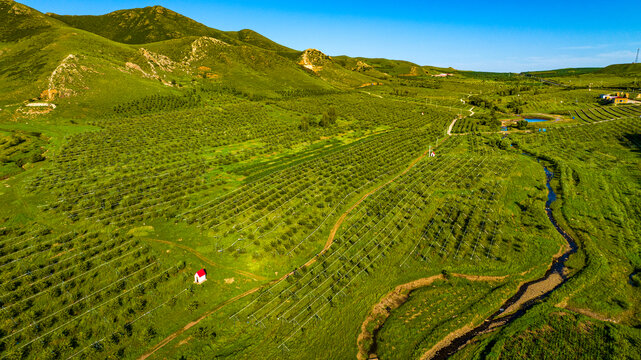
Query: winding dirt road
pixel 449 129
pixel 169 338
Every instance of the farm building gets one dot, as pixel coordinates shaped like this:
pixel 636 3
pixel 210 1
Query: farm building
pixel 619 98
pixel 200 276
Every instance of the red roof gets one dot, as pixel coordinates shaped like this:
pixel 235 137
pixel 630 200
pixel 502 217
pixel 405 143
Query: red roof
pixel 201 273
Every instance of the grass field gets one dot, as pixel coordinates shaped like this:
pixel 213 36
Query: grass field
pixel 307 196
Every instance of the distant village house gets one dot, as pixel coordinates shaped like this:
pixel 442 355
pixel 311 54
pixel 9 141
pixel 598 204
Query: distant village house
pixel 619 98
pixel 200 276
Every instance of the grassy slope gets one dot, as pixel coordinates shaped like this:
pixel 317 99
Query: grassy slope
pixel 35 45
pixel 332 71
pixel 251 37
pixel 621 69
pixel 393 67
pixel 251 65
pixel 248 69
pixel 142 25
pixel 564 72
pixel 156 23
pixel 91 82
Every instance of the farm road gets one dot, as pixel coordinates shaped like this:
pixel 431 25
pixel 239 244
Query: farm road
pixel 328 244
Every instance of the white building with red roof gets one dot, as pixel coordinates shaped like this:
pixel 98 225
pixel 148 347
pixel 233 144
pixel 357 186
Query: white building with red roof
pixel 200 276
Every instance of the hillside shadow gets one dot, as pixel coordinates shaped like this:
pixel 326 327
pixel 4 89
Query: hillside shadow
pixel 632 141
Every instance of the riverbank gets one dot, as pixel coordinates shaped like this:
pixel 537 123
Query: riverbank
pixel 527 295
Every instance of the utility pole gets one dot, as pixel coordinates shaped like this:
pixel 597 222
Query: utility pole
pixel 637 58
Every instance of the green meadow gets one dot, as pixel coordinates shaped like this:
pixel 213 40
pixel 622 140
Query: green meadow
pixel 306 187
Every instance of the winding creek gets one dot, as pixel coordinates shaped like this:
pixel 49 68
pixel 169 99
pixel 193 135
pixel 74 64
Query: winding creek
pixel 555 274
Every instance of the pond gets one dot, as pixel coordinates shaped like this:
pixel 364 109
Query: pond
pixel 535 120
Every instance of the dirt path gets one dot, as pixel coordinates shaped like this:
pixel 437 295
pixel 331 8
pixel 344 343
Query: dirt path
pixel 397 297
pixel 209 262
pixel 446 341
pixel 592 314
pixel 369 93
pixel 341 219
pixel 328 244
pixel 449 129
pixel 169 338
pixel 534 291
pixel 480 277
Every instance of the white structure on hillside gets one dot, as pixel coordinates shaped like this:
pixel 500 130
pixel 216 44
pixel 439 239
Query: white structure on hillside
pixel 53 106
pixel 200 276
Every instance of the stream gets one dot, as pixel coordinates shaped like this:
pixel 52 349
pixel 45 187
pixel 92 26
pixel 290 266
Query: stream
pixel 557 268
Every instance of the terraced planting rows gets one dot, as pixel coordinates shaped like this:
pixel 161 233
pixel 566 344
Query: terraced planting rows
pixel 447 209
pixel 66 293
pixel 370 110
pixel 166 160
pixel 460 227
pixel 606 113
pixel 555 100
pixel 588 136
pixel 148 167
pixel 299 198
pixel 465 125
pixel 171 180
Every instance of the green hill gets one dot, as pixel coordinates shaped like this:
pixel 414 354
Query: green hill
pixel 251 37
pixel 142 25
pixel 333 71
pixel 621 69
pixel 156 23
pixel 388 67
pixel 45 60
pixel 359 65
pixel 564 72
pixel 18 21
pixel 99 61
pixel 76 68
pixel 247 69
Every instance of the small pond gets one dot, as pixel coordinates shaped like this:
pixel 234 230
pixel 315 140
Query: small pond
pixel 535 120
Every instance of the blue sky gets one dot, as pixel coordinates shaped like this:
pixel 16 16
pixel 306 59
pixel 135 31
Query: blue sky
pixel 469 35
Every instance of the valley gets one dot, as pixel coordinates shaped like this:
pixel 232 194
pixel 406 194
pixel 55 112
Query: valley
pixel 340 206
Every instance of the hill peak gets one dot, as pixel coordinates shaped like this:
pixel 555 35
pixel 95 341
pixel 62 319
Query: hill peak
pixel 141 25
pixel 18 21
pixel 15 8
pixel 313 59
pixel 156 9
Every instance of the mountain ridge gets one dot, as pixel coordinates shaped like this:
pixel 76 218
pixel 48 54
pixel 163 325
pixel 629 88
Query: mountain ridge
pixel 157 50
